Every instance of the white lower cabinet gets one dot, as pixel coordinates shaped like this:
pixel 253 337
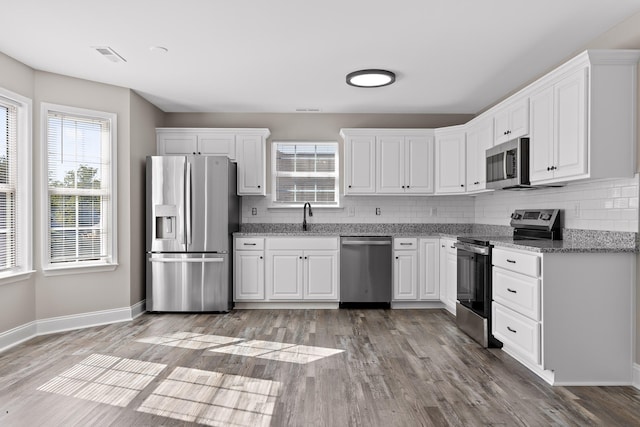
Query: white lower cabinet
pixel 448 274
pixel 405 269
pixel 248 269
pixel 428 278
pixel 415 269
pixel 300 269
pixel 567 316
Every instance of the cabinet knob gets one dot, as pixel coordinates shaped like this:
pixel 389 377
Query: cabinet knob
pixel 258 186
pixel 548 168
pixel 461 185
pixel 504 133
pixel 403 186
pixel 476 183
pixel 306 257
pixel 194 153
pixel 349 186
pixel 553 168
pixel 396 257
pixel 260 257
pixel 199 152
pixel 300 257
pixel 407 186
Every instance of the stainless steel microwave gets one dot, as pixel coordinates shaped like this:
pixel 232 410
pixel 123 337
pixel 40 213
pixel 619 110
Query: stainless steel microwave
pixel 508 165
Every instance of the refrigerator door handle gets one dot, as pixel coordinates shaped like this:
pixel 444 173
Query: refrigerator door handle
pixel 186 260
pixel 188 196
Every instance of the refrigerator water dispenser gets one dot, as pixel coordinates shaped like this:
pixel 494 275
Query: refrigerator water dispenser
pixel 166 221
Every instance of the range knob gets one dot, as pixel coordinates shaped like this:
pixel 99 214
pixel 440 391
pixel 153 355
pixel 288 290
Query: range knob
pixel 545 216
pixel 516 215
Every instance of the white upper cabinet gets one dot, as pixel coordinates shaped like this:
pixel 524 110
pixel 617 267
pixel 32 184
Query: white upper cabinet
pixel 245 146
pixel 250 150
pixel 558 148
pixel 450 160
pixel 388 161
pixel 512 120
pixel 583 119
pixel 479 139
pixel 360 164
pixel 403 164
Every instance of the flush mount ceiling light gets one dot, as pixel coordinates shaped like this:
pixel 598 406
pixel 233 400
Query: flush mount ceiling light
pixel 371 78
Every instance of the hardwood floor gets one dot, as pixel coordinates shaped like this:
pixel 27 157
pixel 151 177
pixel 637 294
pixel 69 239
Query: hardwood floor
pixel 288 368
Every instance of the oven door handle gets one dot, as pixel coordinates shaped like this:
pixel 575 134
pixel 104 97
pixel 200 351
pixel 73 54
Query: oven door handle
pixel 480 250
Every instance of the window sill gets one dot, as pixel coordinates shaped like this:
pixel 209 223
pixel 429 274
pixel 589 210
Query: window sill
pixel 300 207
pixel 12 277
pixel 51 270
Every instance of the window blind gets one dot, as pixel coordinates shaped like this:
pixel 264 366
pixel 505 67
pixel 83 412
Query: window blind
pixel 306 172
pixel 8 186
pixel 78 150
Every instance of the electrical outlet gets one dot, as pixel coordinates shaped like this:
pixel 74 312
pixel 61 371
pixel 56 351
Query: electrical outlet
pixel 433 211
pixel 377 211
pixel 254 211
pixel 351 211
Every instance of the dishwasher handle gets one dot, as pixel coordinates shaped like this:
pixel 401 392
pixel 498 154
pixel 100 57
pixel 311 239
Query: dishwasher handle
pixel 366 243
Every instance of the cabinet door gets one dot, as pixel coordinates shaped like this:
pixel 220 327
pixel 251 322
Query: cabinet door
pixel 405 275
pixel 360 164
pixel 541 142
pixel 442 269
pixel 519 119
pixel 284 275
pixel 428 288
pixel 321 275
pixel 249 275
pixel 570 126
pixel 217 144
pixel 251 164
pixel 390 166
pixel 178 143
pixel 479 139
pixel 450 163
pixel 418 164
pixel 512 121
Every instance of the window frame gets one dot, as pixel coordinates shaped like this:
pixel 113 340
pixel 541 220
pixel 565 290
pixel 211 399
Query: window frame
pixel 274 175
pixel 24 188
pixel 111 261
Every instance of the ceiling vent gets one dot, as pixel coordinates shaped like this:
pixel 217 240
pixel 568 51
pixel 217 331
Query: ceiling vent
pixel 109 53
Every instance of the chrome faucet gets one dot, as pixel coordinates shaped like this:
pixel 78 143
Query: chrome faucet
pixel 304 219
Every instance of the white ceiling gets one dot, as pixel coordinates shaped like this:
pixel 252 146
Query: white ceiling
pixel 451 56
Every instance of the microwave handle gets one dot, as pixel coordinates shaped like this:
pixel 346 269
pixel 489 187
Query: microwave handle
pixel 504 165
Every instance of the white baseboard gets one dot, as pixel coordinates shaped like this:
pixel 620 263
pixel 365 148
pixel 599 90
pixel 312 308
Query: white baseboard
pixel 18 335
pixel 52 325
pixel 636 375
pixel 416 304
pixel 286 305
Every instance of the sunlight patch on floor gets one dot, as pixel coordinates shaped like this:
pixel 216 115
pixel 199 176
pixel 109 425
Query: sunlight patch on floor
pixel 213 398
pixel 270 350
pixel 105 379
pixel 283 352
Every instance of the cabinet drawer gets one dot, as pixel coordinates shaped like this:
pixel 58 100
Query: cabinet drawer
pixel 401 243
pixel 518 292
pixel 302 243
pixel 517 332
pixel 517 261
pixel 250 243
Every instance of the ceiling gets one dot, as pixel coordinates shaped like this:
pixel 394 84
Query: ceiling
pixel 450 56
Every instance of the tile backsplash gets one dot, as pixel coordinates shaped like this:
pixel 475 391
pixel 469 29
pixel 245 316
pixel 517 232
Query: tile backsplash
pixel 600 205
pixel 358 209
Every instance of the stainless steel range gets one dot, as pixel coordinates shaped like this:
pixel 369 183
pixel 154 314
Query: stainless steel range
pixel 473 309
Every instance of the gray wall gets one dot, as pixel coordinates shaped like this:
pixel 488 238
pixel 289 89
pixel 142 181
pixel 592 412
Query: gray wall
pixel 44 297
pixel 145 117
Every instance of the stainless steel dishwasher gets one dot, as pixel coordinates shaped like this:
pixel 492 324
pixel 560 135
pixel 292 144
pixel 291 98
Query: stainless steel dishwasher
pixel 365 271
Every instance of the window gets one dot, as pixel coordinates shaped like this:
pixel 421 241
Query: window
pixel 81 208
pixel 305 172
pixel 15 187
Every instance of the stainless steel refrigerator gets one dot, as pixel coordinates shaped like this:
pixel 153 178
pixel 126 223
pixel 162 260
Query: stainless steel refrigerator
pixel 192 210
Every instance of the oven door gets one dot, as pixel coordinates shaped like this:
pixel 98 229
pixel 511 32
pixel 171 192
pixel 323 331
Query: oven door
pixel 474 277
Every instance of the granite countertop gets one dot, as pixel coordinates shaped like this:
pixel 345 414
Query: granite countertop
pixel 575 241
